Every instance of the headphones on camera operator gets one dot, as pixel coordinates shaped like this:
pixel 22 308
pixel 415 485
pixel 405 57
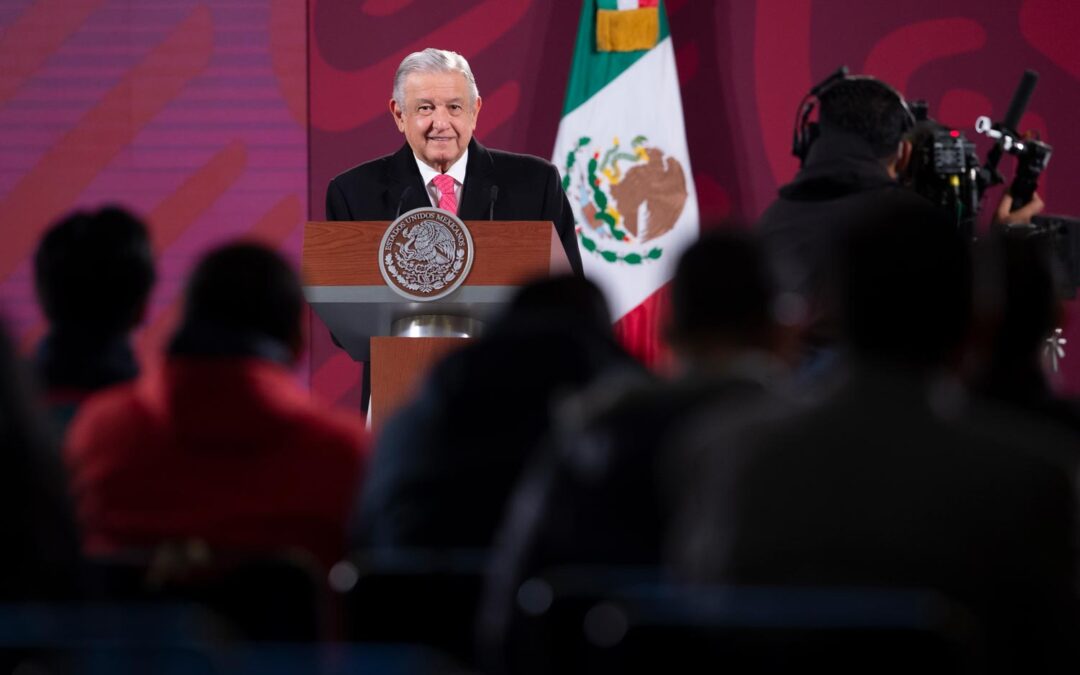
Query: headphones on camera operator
pixel 806 131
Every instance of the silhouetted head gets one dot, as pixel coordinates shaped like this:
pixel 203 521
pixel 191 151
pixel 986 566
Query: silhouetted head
pixel 905 280
pixel 93 272
pixel 569 299
pixel 1017 291
pixel 245 290
pixel 722 294
pixel 867 108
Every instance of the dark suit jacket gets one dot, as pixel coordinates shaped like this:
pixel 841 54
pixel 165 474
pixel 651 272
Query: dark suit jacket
pixel 529 188
pixel 875 486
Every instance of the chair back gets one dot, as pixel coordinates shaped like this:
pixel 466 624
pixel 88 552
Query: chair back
pixel 116 639
pixel 778 630
pixel 262 597
pixel 630 620
pixel 420 596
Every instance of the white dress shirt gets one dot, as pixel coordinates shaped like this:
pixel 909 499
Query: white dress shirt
pixel 457 172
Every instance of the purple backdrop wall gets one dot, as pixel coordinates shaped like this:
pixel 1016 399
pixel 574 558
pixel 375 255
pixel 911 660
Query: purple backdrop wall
pixel 191 113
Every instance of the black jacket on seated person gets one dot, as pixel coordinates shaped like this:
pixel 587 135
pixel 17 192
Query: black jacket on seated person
pixel 445 464
pixel 895 480
pixel 41 558
pixel 601 497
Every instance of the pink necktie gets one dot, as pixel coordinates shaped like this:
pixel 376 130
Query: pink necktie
pixel 447 200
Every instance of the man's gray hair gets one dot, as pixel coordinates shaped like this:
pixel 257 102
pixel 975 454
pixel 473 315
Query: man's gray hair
pixel 433 61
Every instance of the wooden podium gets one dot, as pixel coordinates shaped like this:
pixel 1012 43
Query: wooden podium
pixel 342 283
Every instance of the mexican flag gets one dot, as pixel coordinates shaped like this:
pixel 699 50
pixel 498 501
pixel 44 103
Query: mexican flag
pixel 621 149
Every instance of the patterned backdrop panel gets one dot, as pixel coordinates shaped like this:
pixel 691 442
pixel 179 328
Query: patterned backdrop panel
pixel 191 113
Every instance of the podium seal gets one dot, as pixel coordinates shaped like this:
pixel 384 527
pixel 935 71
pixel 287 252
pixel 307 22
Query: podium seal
pixel 426 254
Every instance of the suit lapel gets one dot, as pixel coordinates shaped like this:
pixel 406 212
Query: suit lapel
pixel 476 193
pixel 404 174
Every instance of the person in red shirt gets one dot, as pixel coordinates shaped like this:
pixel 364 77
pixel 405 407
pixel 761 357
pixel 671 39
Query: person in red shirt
pixel 219 443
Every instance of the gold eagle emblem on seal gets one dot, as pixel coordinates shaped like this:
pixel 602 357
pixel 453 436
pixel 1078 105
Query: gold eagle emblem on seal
pixel 426 254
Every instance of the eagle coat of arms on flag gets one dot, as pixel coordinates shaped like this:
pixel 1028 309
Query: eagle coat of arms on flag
pixel 626 197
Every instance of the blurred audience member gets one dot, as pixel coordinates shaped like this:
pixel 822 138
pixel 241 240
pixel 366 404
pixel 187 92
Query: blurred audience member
pixel 886 482
pixel 1018 292
pixel 445 464
pixel 597 497
pixel 41 549
pixel 93 272
pixel 220 443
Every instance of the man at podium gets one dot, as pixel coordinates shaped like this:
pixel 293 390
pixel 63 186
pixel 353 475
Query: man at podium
pixel 435 104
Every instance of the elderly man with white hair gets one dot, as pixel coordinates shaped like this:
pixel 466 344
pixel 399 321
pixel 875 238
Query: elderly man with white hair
pixel 436 104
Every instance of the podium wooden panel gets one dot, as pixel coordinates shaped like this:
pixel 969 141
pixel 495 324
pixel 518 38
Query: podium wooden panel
pixel 397 368
pixel 342 283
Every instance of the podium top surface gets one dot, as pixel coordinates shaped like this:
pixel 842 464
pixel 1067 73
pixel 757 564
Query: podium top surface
pixel 508 253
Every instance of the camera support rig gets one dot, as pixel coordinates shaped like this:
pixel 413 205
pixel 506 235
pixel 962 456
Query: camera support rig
pixel 1032 155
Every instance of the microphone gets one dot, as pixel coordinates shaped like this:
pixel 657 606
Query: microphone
pixel 401 201
pixel 494 198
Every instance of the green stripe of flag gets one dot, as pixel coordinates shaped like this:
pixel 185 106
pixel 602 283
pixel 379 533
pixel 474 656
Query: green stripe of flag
pixel 592 70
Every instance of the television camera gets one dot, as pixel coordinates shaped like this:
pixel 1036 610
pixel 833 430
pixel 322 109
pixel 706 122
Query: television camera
pixel 945 169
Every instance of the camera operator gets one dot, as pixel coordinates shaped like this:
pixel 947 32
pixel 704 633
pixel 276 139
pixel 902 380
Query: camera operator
pixel 852 160
pixel 1005 214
